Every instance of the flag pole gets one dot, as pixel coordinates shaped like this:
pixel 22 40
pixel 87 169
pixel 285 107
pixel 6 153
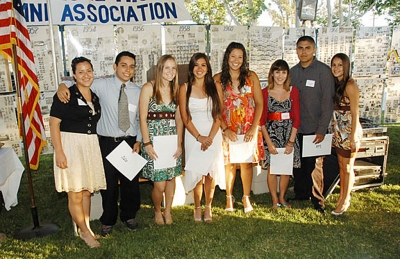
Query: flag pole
pixel 38 230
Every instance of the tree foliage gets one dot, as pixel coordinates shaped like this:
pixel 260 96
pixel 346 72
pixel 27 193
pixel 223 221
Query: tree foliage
pixel 390 8
pixel 225 12
pixel 282 12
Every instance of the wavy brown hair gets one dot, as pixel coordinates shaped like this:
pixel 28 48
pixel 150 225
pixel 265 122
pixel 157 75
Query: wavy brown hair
pixel 244 70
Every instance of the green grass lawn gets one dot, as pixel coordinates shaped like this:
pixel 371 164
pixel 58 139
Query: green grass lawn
pixel 369 229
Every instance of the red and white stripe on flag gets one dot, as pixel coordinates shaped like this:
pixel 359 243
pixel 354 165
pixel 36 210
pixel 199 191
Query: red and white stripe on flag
pixel 13 31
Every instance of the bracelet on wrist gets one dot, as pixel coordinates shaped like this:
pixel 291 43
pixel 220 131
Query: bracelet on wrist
pixel 197 138
pixel 289 144
pixel 223 130
pixel 147 143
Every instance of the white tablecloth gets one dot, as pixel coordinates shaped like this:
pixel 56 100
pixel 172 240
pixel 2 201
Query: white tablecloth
pixel 11 170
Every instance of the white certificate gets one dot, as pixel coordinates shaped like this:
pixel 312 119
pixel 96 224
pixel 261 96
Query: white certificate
pixel 241 151
pixel 165 147
pixel 320 149
pixel 129 164
pixel 199 157
pixel 281 163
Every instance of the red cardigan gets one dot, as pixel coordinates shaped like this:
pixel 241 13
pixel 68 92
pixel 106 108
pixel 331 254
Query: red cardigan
pixel 294 113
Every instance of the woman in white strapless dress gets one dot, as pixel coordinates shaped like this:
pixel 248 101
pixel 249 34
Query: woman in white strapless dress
pixel 200 106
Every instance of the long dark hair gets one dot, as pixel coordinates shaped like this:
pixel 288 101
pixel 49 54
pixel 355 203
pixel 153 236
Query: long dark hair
pixel 210 88
pixel 340 86
pixel 244 70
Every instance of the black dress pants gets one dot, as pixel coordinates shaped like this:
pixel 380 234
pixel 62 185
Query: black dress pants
pixel 128 190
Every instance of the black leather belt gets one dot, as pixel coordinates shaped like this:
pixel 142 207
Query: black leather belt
pixel 117 139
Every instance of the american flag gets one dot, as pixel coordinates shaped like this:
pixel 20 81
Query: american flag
pixel 13 31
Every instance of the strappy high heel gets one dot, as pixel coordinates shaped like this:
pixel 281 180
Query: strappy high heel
pixel 168 219
pixel 158 218
pixel 194 214
pixel 247 209
pixel 208 219
pixel 232 200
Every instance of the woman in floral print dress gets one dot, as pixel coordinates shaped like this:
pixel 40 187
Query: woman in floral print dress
pixel 243 105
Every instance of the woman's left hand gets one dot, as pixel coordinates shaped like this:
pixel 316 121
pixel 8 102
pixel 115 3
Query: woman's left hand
pixel 288 150
pixel 252 133
pixel 178 153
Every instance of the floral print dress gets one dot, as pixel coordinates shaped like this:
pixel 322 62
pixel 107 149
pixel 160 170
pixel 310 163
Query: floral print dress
pixel 238 114
pixel 161 127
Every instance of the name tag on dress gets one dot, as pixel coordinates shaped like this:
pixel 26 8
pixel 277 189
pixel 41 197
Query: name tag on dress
pixel 81 103
pixel 285 115
pixel 310 83
pixel 132 107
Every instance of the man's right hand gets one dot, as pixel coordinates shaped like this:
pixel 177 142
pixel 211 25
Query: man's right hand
pixel 63 93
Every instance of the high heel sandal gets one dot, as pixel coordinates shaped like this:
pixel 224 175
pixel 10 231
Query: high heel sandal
pixel 194 214
pixel 230 209
pixel 160 219
pixel 247 209
pixel 91 243
pixel 96 236
pixel 168 219
pixel 208 219
pixel 344 208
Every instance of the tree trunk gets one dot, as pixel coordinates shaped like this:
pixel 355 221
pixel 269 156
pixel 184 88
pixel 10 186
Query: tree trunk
pixel 329 9
pixel 340 13
pixel 233 18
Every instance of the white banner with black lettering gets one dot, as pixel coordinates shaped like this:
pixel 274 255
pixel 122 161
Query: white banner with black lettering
pixel 105 12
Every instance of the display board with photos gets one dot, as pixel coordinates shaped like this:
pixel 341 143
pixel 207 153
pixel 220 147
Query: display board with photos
pixel 265 48
pixel 220 37
pixel 5 76
pixel 371 94
pixel 392 108
pixel 289 44
pixel 370 51
pixel 9 133
pixel 393 57
pixel 41 43
pixel 145 42
pixel 95 42
pixel 183 41
pixel 332 41
pixel 100 43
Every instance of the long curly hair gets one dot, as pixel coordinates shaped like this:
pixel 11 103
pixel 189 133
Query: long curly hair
pixel 244 70
pixel 210 88
pixel 158 80
pixel 340 86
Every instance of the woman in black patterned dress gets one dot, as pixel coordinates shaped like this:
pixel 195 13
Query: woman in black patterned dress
pixel 279 123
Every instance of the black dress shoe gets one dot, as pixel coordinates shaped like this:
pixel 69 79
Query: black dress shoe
pixel 106 230
pixel 131 224
pixel 320 210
